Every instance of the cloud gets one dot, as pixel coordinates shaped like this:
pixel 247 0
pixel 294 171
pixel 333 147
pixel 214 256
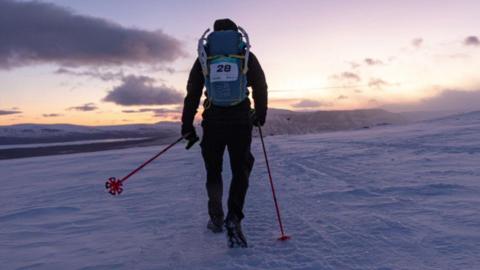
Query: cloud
pixel 354 65
pixel 342 97
pixel 139 90
pixel 159 110
pixel 51 115
pixel 373 101
pixel 84 108
pixel 172 112
pixel 156 111
pixel 377 83
pixel 308 103
pixel 471 41
pixel 105 75
pixel 350 76
pixel 346 76
pixel 95 73
pixel 372 62
pixel 169 70
pixel 37 32
pixel 8 112
pixel 417 42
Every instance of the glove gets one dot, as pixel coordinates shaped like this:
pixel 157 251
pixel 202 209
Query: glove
pixel 189 134
pixel 257 119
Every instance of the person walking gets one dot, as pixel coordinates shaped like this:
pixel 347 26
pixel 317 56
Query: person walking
pixel 226 68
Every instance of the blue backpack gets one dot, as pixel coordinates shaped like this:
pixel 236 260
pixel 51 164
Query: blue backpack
pixel 223 56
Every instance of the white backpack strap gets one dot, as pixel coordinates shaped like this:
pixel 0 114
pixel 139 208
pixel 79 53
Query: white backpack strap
pixel 247 49
pixel 202 54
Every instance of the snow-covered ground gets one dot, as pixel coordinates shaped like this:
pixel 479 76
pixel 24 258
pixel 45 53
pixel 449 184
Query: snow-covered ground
pixel 393 197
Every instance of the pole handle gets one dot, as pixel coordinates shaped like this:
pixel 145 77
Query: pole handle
pixel 191 142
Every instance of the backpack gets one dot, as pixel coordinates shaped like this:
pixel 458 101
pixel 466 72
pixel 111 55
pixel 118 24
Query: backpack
pixel 223 56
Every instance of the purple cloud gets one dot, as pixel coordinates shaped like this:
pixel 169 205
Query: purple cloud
pixel 346 76
pixel 471 41
pixel 354 65
pixel 84 108
pixel 8 112
pixel 377 83
pixel 37 32
pixel 372 62
pixel 350 76
pixel 139 90
pixel 155 111
pixel 51 115
pixel 417 42
pixel 95 73
pixel 159 110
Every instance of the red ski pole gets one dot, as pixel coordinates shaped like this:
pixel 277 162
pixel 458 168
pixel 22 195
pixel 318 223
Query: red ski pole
pixel 115 186
pixel 283 237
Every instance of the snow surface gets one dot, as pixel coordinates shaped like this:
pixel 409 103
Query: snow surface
pixel 393 197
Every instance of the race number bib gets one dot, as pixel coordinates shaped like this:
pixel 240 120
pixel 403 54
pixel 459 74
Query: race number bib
pixel 223 72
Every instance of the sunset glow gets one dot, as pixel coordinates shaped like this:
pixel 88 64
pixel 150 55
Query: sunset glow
pixel 317 55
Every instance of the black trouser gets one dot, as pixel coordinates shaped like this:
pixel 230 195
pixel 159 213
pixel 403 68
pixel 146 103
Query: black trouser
pixel 237 137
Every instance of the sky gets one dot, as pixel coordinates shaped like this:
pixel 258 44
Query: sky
pixel 122 61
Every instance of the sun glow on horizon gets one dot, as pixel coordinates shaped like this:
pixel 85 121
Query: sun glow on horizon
pixel 316 55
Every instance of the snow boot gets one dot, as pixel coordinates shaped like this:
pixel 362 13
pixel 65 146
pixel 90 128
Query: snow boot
pixel 215 224
pixel 235 236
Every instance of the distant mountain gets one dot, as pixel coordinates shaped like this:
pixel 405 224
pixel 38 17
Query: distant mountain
pixel 42 133
pixel 279 122
pixel 291 122
pixel 419 116
pixel 472 117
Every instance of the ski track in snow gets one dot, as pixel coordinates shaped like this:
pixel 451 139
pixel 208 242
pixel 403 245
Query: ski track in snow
pixel 404 197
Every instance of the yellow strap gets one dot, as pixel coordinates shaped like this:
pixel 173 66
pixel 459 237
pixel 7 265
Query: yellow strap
pixel 236 56
pixel 213 57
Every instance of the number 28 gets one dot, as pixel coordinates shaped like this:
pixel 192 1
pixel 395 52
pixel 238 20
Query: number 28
pixel 224 68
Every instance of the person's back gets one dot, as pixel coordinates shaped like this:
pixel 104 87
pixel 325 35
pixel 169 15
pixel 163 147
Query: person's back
pixel 226 71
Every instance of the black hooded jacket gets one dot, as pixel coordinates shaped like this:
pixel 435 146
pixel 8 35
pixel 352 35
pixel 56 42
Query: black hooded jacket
pixel 238 113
